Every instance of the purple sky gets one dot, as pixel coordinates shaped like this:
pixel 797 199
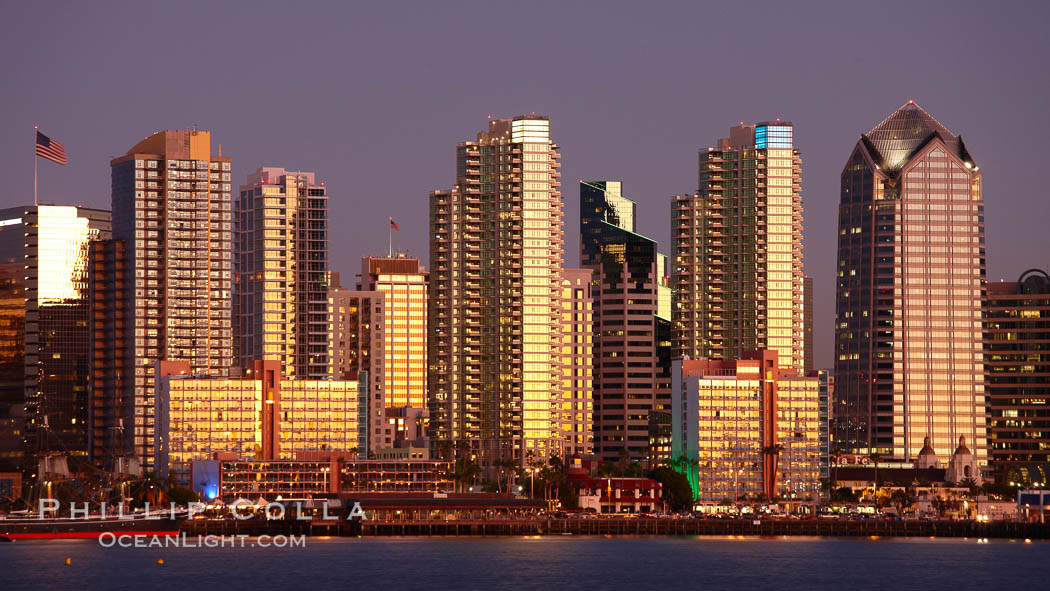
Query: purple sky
pixel 375 98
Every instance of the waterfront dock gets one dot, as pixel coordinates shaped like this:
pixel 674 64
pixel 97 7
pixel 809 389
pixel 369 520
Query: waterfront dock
pixel 623 526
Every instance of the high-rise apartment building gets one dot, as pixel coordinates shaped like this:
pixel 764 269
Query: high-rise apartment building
pixel 631 372
pixel 1017 377
pixel 908 354
pixel 752 428
pixel 574 412
pixel 280 286
pixel 172 210
pixel 49 245
pixel 737 274
pixel 496 253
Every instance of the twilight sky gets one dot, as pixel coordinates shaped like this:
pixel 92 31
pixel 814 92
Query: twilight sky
pixel 374 98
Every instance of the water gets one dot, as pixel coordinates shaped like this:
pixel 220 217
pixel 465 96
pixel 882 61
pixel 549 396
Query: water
pixel 538 563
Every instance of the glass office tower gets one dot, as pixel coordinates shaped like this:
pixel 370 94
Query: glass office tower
pixel 632 377
pixel 911 268
pixel 49 244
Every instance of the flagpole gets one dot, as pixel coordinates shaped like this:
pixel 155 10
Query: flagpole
pixel 390 234
pixel 35 160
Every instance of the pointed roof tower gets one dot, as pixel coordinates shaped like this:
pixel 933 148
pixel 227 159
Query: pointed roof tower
pixel 893 141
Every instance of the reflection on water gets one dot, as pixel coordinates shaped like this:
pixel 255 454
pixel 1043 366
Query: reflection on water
pixel 563 562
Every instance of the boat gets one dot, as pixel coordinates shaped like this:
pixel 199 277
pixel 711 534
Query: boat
pixel 37 528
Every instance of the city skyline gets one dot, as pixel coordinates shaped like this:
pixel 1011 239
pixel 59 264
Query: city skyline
pixel 379 98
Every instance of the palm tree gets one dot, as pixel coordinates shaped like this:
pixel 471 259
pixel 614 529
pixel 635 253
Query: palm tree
pixel 875 457
pixel 902 499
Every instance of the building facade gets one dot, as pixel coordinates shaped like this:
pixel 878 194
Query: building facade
pixel 908 354
pixel 280 287
pixel 631 369
pixel 752 428
pixel 808 342
pixel 308 478
pixel 737 277
pixel 1017 377
pixel 403 283
pixel 574 411
pixel 172 210
pixel 356 351
pixel 112 411
pixel 258 416
pixel 496 254
pixel 48 322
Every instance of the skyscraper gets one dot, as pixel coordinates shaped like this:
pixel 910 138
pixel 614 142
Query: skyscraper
pixel 280 285
pixel 908 356
pixel 631 378
pixel 1017 377
pixel 737 274
pixel 496 252
pixel 48 245
pixel 172 210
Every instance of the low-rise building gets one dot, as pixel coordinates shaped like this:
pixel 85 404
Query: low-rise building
pixel 315 475
pixel 256 416
pixel 747 429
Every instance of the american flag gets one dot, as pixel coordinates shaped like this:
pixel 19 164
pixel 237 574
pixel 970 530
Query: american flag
pixel 50 149
pixel 394 225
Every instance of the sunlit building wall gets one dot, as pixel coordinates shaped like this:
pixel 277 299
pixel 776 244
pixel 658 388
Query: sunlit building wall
pixel 403 283
pixel 51 243
pixel 752 429
pixel 172 209
pixel 496 253
pixel 909 362
pixel 737 242
pixel 258 416
pixel 280 265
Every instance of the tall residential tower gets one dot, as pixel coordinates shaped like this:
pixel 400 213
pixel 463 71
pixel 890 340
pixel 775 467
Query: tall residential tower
pixel 280 286
pixel 172 212
pixel 496 253
pixel 737 274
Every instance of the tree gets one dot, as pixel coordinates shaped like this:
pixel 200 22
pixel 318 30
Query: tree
pixel 677 493
pixel 465 472
pixel 902 499
pixel 181 495
pixel 844 494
